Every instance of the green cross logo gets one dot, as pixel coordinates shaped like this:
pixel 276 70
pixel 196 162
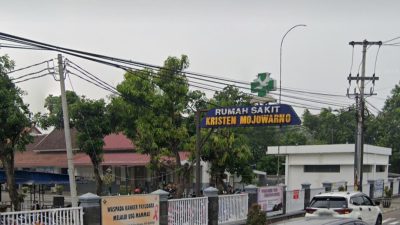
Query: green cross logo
pixel 263 84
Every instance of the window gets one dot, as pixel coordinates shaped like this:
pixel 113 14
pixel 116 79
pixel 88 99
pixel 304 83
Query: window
pixel 367 168
pixel 367 201
pixel 357 200
pixel 380 168
pixel 328 202
pixel 321 168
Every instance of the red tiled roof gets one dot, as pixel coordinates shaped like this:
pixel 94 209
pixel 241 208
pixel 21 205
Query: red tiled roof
pixel 117 142
pixel 31 158
pixel 116 159
pixel 55 141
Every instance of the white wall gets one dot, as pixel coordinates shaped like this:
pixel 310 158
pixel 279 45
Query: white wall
pixel 295 174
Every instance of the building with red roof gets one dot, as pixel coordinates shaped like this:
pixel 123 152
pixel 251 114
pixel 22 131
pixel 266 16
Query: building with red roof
pixel 48 154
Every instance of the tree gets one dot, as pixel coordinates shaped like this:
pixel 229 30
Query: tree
pixel 151 110
pixel 92 121
pixel 331 126
pixel 14 125
pixel 54 117
pixel 387 129
pixel 228 149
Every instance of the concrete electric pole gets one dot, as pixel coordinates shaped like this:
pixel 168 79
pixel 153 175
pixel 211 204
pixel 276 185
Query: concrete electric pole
pixel 70 155
pixel 360 103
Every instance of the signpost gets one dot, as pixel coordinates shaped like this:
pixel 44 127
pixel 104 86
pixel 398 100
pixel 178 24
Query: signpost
pixel 131 209
pixel 270 198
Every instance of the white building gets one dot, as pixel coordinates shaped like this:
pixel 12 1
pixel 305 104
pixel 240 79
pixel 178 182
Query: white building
pixel 316 164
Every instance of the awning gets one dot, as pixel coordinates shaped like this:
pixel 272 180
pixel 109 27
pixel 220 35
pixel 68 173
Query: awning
pixel 28 177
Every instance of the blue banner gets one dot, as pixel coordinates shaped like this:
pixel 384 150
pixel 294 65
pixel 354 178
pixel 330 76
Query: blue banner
pixel 242 116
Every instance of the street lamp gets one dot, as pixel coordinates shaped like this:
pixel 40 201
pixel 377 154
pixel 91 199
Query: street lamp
pixel 280 86
pixel 280 59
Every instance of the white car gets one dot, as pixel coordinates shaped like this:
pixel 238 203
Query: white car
pixel 354 205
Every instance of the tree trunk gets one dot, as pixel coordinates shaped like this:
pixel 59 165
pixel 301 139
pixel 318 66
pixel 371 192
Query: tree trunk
pixel 8 164
pixel 179 175
pixel 155 173
pixel 96 170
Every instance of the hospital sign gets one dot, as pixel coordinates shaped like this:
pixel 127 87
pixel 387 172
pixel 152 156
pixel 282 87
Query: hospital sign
pixel 242 116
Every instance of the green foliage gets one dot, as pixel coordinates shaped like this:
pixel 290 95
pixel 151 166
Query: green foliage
pixel 388 192
pixel 59 189
pixel 54 117
pixel 228 149
pixel 151 109
pixel 92 121
pixel 331 127
pixel 387 129
pixel 14 125
pixel 256 216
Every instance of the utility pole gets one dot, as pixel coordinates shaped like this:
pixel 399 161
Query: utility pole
pixel 67 131
pixel 360 102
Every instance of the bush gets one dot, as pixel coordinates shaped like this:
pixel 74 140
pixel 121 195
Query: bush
pixel 59 189
pixel 256 216
pixel 388 192
pixel 341 188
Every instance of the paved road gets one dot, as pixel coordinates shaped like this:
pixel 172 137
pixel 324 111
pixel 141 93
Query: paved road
pixel 391 218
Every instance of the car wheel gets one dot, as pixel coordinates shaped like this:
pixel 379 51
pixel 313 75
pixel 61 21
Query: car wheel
pixel 379 220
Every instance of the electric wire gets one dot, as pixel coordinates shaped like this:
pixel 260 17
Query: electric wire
pixel 32 78
pixel 55 48
pixel 146 65
pixel 27 67
pixel 79 68
pixel 29 74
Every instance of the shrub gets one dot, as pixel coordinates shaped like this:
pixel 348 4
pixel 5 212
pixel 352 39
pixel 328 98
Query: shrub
pixel 256 216
pixel 59 189
pixel 388 192
pixel 341 188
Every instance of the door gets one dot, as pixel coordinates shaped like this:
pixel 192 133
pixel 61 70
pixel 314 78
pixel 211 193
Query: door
pixel 358 208
pixel 371 209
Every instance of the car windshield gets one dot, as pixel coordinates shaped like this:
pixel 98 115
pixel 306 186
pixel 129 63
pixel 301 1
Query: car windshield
pixel 328 202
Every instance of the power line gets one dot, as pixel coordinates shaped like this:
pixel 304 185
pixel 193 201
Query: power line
pixel 30 74
pixel 80 69
pixel 135 63
pixel 24 68
pixel 33 78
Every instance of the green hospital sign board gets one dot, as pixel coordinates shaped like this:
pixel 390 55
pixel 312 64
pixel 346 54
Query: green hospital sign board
pixel 263 84
pixel 242 116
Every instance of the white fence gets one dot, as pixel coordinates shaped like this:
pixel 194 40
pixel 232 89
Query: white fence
pixel 61 216
pixel 232 208
pixel 188 211
pixel 294 200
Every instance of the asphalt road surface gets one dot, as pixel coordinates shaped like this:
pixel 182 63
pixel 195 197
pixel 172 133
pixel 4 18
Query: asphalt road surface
pixel 391 218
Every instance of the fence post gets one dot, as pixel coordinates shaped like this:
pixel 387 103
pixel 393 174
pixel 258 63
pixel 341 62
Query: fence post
pixel 390 179
pixel 212 194
pixel 91 209
pixel 371 188
pixel 307 193
pixel 398 181
pixel 327 185
pixel 283 198
pixel 163 205
pixel 252 192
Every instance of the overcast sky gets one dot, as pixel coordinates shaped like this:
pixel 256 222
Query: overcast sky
pixel 231 39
